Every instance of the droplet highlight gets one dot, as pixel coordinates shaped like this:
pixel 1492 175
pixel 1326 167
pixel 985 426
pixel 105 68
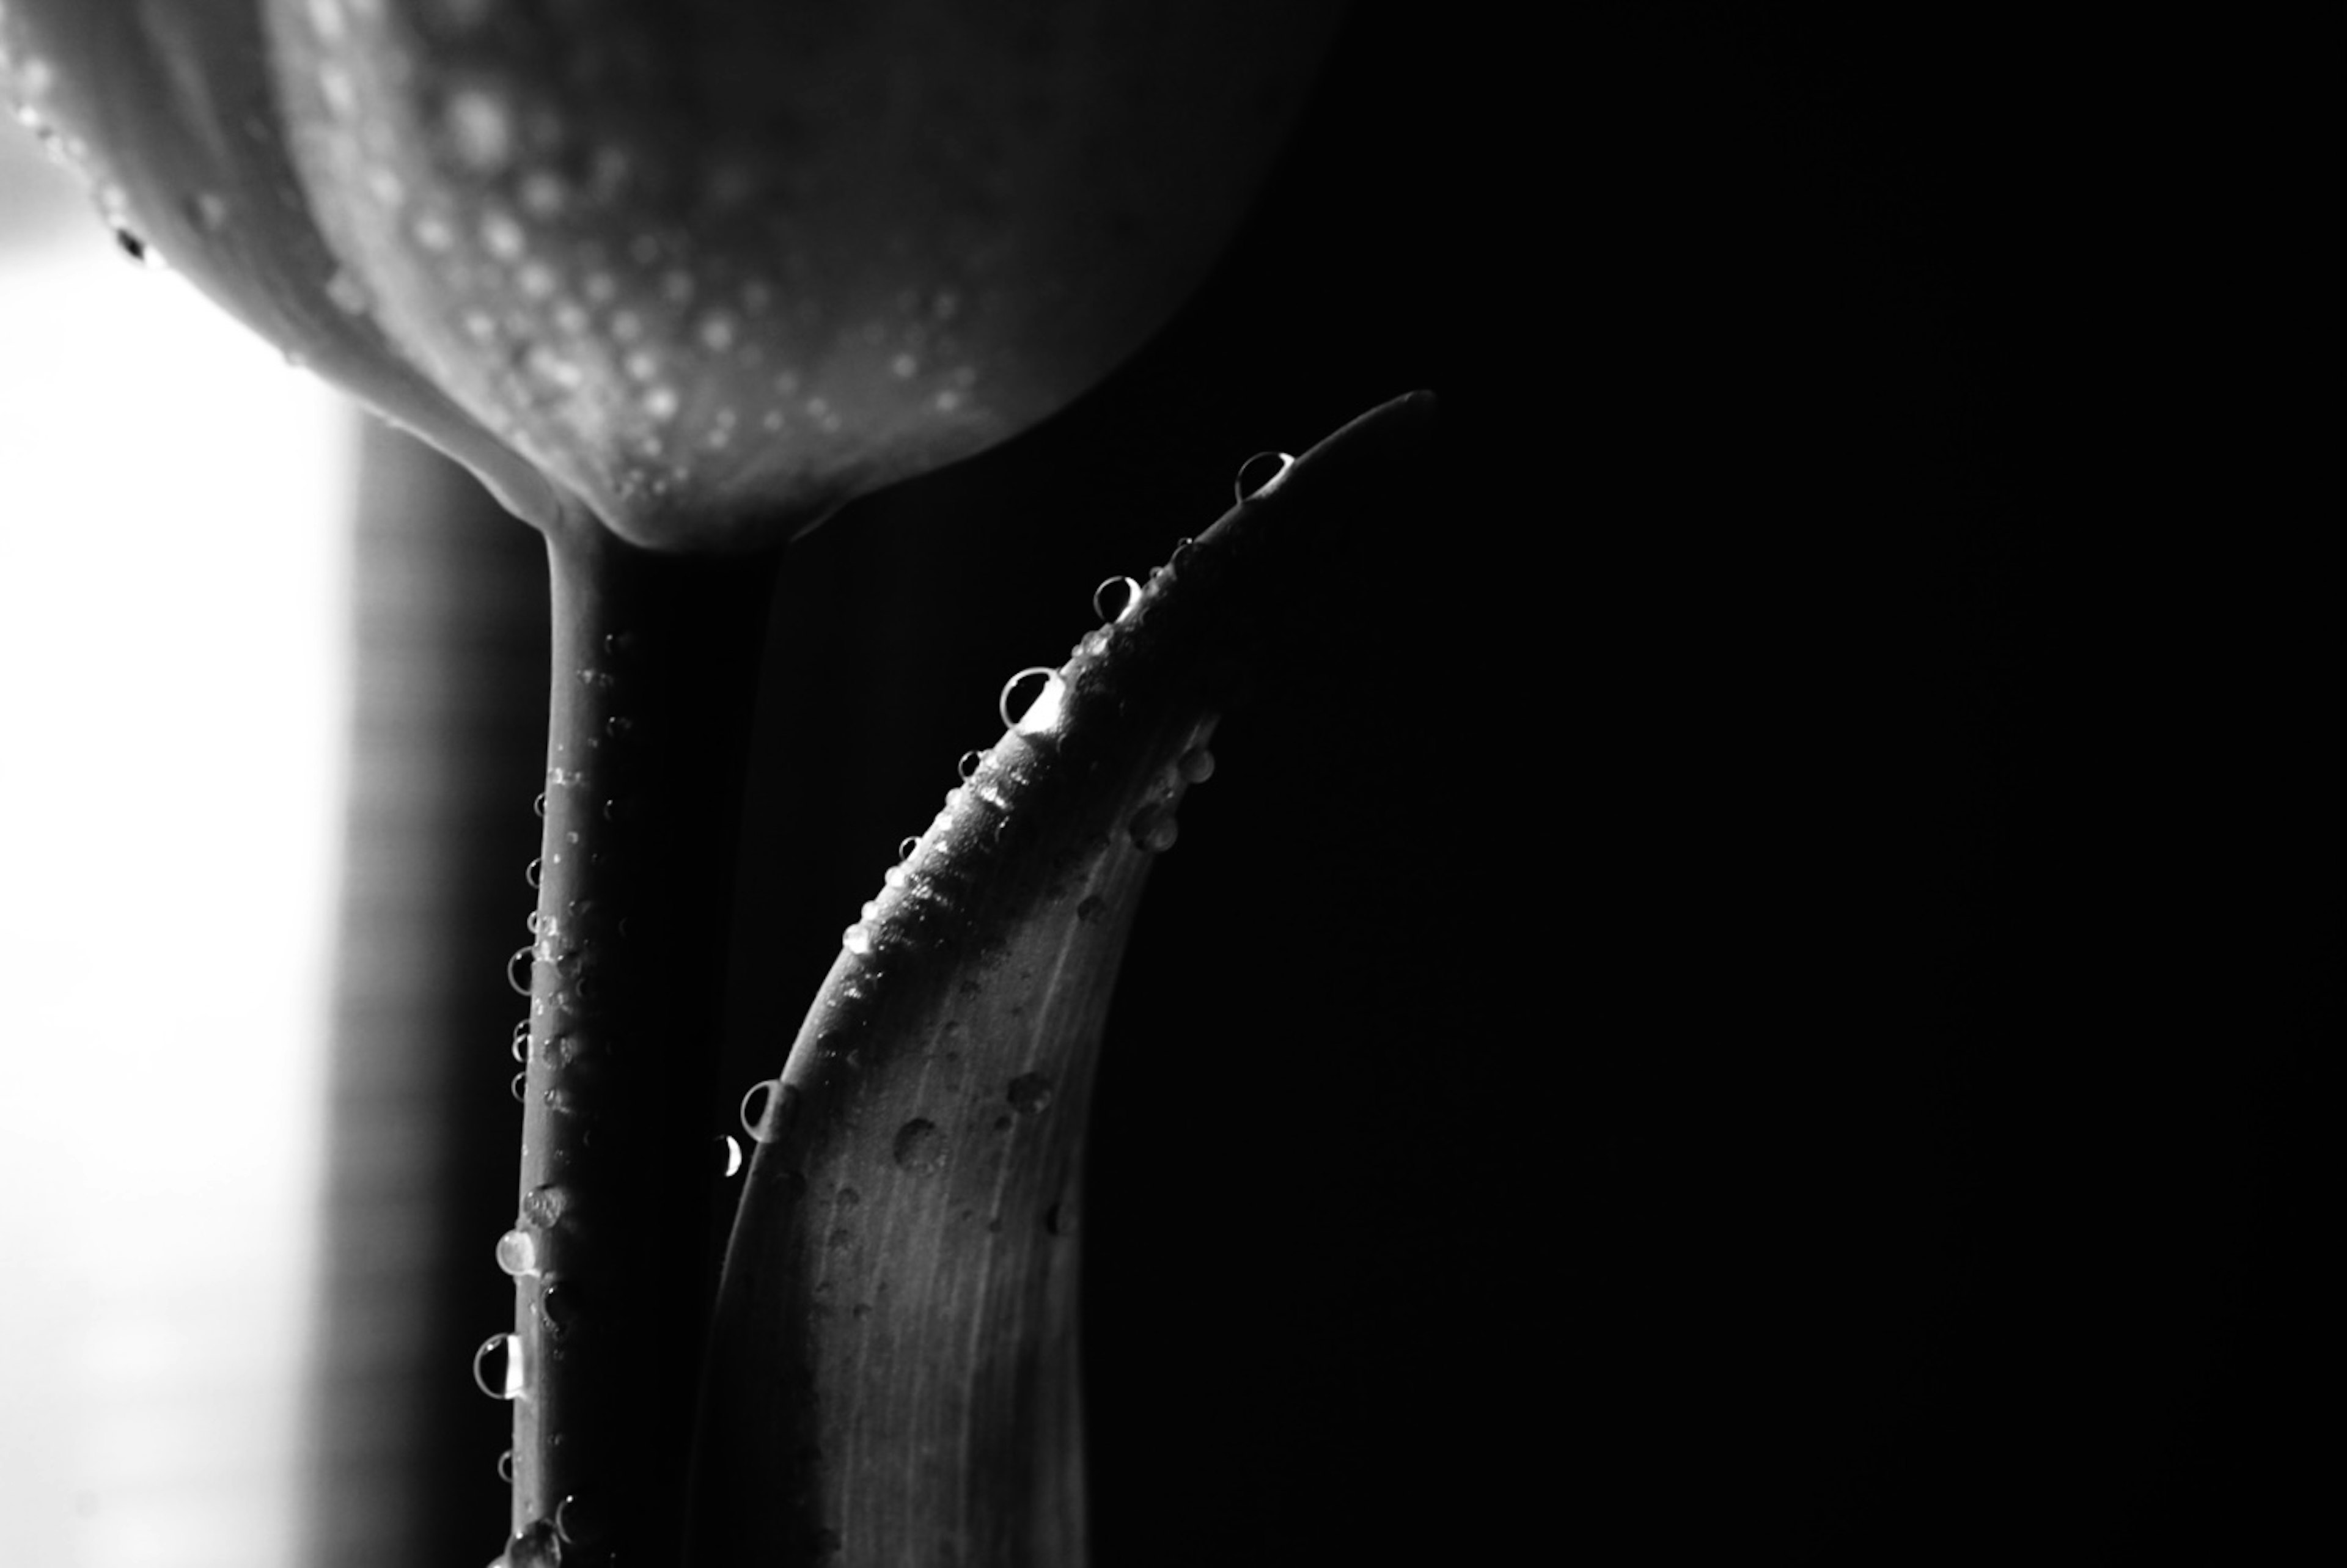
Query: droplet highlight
pixel 729 1155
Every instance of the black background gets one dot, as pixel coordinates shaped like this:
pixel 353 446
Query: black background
pixel 1757 984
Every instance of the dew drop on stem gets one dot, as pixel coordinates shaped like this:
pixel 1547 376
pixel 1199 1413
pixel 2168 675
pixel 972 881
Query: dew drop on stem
pixel 558 1304
pixel 498 1369
pixel 858 940
pixel 968 765
pixel 580 1521
pixel 729 1155
pixel 518 1254
pixel 520 1086
pixel 505 1467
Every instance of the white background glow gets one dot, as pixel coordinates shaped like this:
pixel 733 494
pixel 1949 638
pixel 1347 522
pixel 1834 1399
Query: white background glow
pixel 174 521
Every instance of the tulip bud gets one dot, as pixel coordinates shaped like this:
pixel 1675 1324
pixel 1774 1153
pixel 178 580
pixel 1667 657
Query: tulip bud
pixel 704 270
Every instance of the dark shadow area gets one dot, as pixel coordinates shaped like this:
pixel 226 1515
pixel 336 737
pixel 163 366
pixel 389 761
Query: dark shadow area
pixel 1754 981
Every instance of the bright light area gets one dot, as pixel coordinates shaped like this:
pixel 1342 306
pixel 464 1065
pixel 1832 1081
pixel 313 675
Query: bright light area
pixel 174 522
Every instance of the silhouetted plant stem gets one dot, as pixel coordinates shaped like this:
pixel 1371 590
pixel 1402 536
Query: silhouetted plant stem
pixel 653 683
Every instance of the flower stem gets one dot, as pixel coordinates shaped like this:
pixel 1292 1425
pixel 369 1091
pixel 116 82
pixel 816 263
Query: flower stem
pixel 654 675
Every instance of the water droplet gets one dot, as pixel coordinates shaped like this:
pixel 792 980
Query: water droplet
pixel 1029 1094
pixel 1030 701
pixel 498 1369
pixel 533 871
pixel 619 644
pixel 1261 474
pixel 856 940
pixel 1115 598
pixel 581 1520
pixel 545 1205
pixel 618 810
pixel 518 1253
pixel 559 1305
pixel 349 295
pixel 1184 551
pixel 753 1107
pixel 541 1548
pixel 520 1086
pixel 521 1040
pixel 1196 764
pixel 538 806
pixel 920 1147
pixel 618 726
pixel 968 765
pixel 505 1467
pixel 729 1155
pixel 895 876
pixel 521 968
pixel 905 849
pixel 1154 829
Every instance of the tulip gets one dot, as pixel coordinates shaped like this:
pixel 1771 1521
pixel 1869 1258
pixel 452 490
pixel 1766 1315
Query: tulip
pixel 676 281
